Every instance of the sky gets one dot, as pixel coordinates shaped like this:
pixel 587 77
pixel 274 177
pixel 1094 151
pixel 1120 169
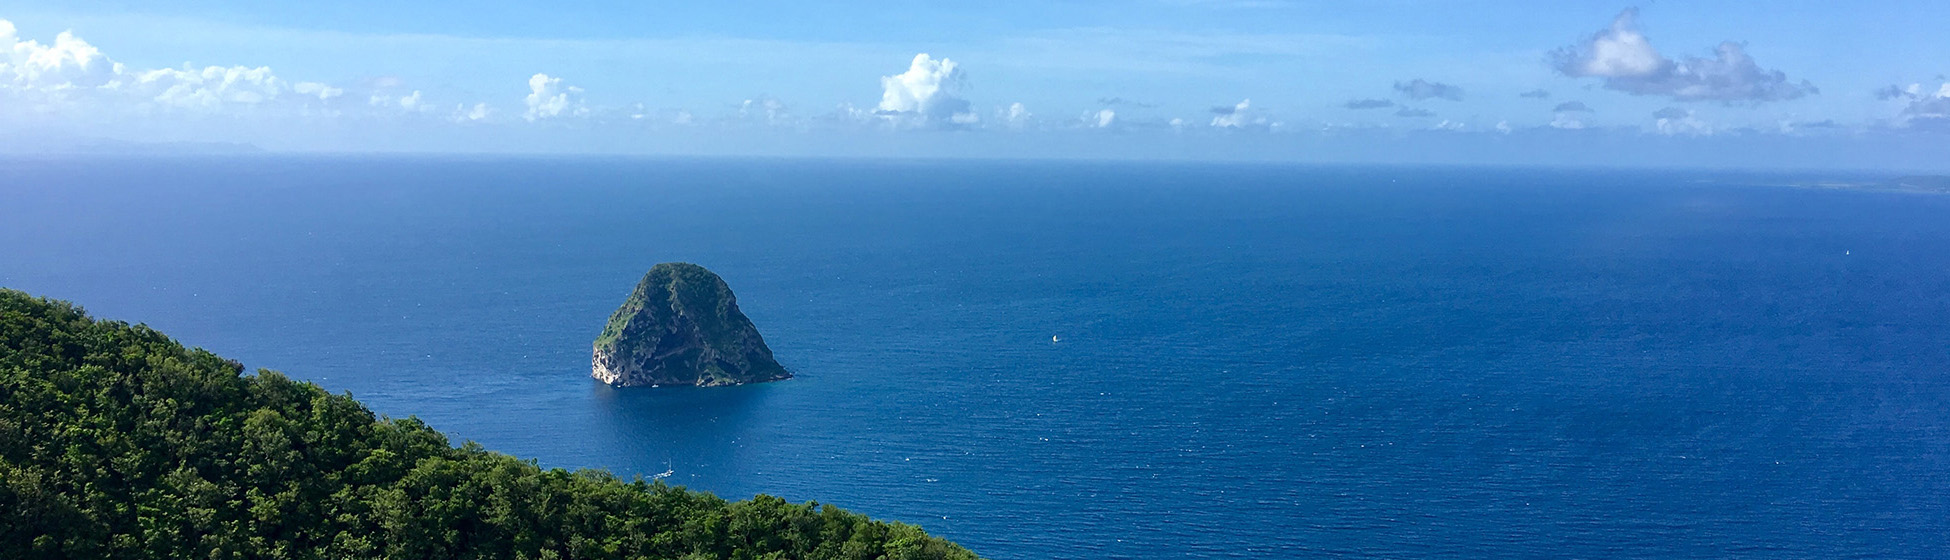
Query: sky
pixel 1788 84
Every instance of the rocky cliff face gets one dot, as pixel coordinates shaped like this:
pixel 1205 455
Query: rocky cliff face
pixel 682 327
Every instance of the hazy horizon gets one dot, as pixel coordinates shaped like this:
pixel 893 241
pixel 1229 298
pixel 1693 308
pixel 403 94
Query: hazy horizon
pixel 1715 84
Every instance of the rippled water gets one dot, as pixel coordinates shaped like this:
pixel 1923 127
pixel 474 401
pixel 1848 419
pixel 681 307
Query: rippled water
pixel 1254 361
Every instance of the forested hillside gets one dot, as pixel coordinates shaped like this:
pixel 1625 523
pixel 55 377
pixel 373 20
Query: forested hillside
pixel 117 442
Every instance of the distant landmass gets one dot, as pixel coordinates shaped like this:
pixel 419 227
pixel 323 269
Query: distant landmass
pixel 117 442
pixel 1935 184
pixel 1922 183
pixel 682 326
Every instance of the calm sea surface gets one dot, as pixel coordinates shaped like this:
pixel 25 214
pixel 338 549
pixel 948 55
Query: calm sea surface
pixel 1254 361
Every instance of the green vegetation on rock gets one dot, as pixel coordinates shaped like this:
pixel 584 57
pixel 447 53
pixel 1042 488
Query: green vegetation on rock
pixel 682 326
pixel 117 442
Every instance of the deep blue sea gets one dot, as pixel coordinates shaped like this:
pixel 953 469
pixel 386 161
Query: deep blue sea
pixel 1250 361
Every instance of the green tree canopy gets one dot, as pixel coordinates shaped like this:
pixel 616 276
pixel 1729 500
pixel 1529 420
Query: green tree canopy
pixel 117 442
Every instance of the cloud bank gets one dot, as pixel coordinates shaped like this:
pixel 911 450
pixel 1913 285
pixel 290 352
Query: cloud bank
pixel 1924 110
pixel 1626 61
pixel 70 76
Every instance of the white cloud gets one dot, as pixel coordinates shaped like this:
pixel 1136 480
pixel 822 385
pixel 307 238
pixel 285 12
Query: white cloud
pixel 211 87
pixel 1625 59
pixel 1899 92
pixel 765 109
pixel 1236 116
pixel 928 93
pixel 1503 127
pixel 1567 121
pixel 548 98
pixel 68 63
pixel 1102 119
pixel 1931 111
pixel 410 103
pixel 1016 116
pixel 1921 108
pixel 322 91
pixel 479 112
pixel 72 70
pixel 1683 126
pixel 1674 121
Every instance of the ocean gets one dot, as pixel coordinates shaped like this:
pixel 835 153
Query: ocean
pixel 1102 359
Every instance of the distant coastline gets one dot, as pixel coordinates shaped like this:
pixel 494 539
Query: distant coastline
pixel 1929 184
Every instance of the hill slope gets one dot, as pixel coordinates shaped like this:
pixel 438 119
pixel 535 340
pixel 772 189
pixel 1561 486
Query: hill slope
pixel 117 442
pixel 682 326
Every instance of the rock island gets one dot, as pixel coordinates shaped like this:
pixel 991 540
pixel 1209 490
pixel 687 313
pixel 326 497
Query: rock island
pixel 682 326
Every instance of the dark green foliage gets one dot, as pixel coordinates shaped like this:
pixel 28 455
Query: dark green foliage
pixel 117 442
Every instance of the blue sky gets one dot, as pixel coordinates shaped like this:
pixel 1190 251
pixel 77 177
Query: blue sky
pixel 1791 84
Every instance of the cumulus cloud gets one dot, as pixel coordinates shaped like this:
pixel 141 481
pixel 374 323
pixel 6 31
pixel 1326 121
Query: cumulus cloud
pixel 548 98
pixel 1567 121
pixel 1368 104
pixel 1626 61
pixel 1572 107
pixel 410 103
pixel 1016 116
pixel 1102 119
pixel 479 112
pixel 927 94
pixel 72 70
pixel 1927 110
pixel 1674 121
pixel 322 91
pixel 1411 112
pixel 211 87
pixel 765 109
pixel 69 62
pixel 1236 116
pixel 1893 91
pixel 1420 89
pixel 1535 94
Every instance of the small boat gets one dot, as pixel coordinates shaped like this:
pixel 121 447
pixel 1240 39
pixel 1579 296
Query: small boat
pixel 1052 338
pixel 666 474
